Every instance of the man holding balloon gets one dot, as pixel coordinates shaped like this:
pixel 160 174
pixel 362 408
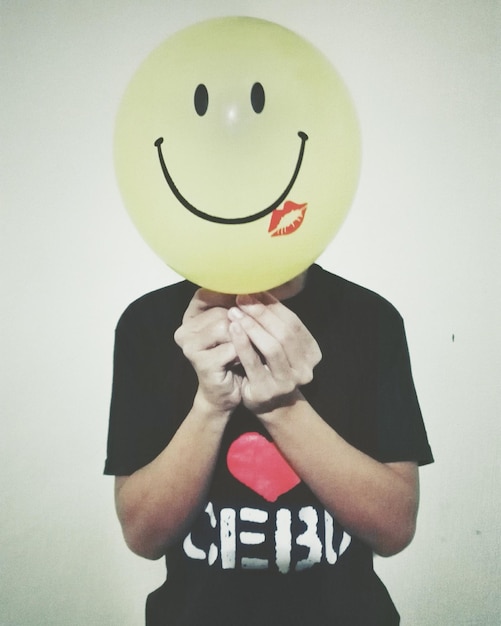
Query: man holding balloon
pixel 265 433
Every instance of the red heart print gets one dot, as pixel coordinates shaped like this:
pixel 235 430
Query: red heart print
pixel 257 463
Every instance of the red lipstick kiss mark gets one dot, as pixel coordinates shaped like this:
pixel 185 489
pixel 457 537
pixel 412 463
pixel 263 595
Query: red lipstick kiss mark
pixel 257 463
pixel 288 219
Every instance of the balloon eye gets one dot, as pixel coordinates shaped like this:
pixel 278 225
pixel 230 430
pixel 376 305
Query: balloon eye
pixel 201 99
pixel 257 97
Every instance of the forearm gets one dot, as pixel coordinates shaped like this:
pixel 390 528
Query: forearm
pixel 156 504
pixel 374 501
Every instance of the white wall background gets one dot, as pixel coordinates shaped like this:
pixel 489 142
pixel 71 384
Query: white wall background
pixel 424 231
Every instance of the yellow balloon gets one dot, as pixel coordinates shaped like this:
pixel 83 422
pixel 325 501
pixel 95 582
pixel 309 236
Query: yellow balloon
pixel 237 153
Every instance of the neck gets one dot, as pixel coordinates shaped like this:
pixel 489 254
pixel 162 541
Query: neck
pixel 290 288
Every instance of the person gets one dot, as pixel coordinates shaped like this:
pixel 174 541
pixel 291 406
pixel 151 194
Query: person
pixel 267 446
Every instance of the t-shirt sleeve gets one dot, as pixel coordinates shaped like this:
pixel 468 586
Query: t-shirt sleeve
pixel 401 431
pixel 126 430
pixel 153 383
pixel 145 411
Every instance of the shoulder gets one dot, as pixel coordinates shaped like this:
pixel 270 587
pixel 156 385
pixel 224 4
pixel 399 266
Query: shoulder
pixel 347 298
pixel 165 306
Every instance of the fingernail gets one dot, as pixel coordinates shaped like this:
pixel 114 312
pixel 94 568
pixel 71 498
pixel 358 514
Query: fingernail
pixel 235 313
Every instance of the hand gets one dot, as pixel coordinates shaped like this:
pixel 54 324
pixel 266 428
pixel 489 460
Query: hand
pixel 276 350
pixel 205 340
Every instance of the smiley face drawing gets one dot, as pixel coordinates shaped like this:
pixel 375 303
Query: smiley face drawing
pixel 237 153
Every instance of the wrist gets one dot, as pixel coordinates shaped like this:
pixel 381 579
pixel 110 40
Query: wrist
pixel 210 410
pixel 282 410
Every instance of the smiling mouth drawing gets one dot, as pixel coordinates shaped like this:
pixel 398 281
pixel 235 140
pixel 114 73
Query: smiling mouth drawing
pixel 233 220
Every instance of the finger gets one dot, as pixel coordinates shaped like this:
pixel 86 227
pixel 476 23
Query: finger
pixel 204 299
pixel 255 370
pixel 204 331
pixel 280 322
pixel 220 357
pixel 268 311
pixel 213 365
pixel 300 347
pixel 265 343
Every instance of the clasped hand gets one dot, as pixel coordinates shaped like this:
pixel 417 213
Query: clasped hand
pixel 251 350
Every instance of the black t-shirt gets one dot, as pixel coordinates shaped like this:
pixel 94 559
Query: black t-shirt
pixel 264 551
